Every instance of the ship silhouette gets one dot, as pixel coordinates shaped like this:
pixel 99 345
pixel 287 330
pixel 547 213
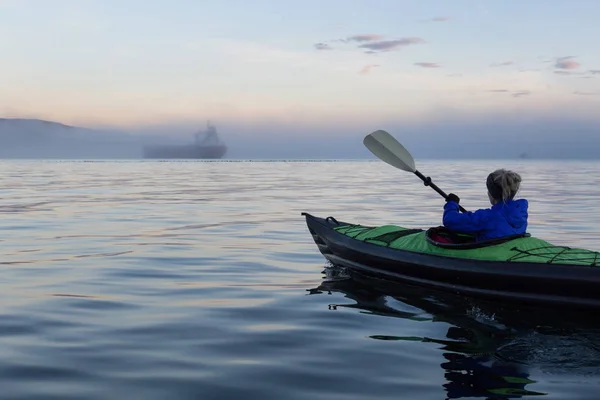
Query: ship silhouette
pixel 207 145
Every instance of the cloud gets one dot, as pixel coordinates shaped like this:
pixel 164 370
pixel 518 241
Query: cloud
pixel 521 93
pixel 367 68
pixel 501 64
pixel 428 91
pixel 560 72
pixel 380 45
pixel 566 63
pixel 387 45
pixel 454 75
pixel 427 65
pixel 368 37
pixel 594 71
pixel 373 42
pixel 323 46
pixel 437 19
pixel 586 93
pixel 518 93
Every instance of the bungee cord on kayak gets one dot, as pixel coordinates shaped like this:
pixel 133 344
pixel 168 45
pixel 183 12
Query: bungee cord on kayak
pixel 513 249
pixel 558 254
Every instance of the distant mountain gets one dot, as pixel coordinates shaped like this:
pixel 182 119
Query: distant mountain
pixel 34 138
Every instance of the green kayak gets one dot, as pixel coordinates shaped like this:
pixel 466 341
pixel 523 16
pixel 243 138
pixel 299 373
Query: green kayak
pixel 520 268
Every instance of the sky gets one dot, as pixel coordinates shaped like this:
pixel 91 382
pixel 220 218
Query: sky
pixel 301 67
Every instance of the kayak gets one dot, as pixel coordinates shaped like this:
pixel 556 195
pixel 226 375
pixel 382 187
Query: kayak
pixel 519 269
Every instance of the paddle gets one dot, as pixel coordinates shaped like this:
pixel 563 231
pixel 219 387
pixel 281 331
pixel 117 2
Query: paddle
pixel 390 151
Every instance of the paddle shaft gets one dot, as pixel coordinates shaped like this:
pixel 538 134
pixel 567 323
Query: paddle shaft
pixel 428 182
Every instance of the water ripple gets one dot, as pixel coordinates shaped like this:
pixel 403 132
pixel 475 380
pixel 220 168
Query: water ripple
pixel 153 280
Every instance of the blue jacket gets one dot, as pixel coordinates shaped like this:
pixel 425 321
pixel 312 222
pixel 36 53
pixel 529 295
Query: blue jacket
pixel 502 219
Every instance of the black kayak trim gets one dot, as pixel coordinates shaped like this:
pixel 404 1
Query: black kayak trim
pixel 514 282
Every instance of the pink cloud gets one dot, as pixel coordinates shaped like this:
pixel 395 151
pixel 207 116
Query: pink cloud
pixel 427 65
pixel 367 68
pixel 566 63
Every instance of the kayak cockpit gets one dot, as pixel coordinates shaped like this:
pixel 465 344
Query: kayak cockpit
pixel 441 236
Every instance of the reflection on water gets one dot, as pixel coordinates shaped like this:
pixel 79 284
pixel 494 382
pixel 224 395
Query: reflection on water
pixel 187 280
pixel 482 353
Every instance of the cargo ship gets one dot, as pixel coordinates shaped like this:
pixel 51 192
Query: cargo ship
pixel 207 145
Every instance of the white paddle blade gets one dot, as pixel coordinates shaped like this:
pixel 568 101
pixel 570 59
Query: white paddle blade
pixel 389 150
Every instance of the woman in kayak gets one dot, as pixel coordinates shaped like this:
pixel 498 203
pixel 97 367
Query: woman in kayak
pixel 506 216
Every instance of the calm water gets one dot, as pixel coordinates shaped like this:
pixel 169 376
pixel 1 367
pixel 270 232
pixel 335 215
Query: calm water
pixel 189 280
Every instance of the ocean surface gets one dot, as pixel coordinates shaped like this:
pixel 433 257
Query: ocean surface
pixel 200 280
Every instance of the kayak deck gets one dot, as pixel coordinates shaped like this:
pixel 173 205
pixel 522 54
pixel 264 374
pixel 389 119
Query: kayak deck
pixel 520 279
pixel 440 241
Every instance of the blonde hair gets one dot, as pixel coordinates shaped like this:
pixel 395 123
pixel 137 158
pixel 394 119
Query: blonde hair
pixel 508 181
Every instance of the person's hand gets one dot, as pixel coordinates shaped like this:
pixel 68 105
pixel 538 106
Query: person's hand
pixel 453 197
